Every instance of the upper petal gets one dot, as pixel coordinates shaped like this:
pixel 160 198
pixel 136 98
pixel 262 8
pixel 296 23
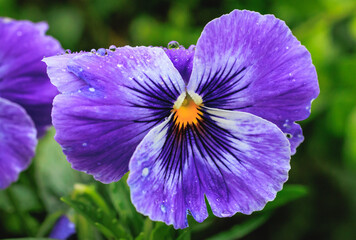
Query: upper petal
pixel 250 62
pixel 237 160
pixel 182 60
pixel 17 141
pixel 23 77
pixel 110 103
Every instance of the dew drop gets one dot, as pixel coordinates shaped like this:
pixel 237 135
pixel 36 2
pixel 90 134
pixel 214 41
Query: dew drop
pixel 93 51
pixel 112 48
pixel 68 51
pixel 225 214
pixel 173 45
pixel 287 47
pixel 92 89
pixel 145 172
pixel 163 208
pixel 84 144
pixel 101 51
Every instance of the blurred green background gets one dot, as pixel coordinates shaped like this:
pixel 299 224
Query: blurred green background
pixel 325 163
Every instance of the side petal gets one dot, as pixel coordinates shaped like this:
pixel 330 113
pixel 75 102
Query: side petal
pixel 110 103
pixel 23 77
pixel 250 62
pixel 237 160
pixel 17 141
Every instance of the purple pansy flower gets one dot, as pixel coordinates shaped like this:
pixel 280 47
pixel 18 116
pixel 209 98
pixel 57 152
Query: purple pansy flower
pixel 26 93
pixel 209 121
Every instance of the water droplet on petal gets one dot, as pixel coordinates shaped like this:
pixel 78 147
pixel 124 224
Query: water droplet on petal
pixel 145 172
pixel 93 51
pixel 112 48
pixel 163 208
pixel 68 51
pixel 173 45
pixel 101 51
pixel 92 89
pixel 84 144
pixel 225 214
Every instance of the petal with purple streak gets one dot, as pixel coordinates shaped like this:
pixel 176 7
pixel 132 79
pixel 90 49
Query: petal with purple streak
pixel 17 141
pixel 237 160
pixel 250 62
pixel 110 103
pixel 23 77
pixel 182 60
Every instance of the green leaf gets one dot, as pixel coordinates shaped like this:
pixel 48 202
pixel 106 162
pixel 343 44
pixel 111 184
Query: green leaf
pixel 31 238
pixel 241 230
pixel 88 203
pixel 54 175
pixel 350 142
pixel 162 232
pixel 120 196
pixel 48 223
pixel 289 193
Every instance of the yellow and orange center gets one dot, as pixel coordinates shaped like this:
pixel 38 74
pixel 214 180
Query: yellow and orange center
pixel 187 109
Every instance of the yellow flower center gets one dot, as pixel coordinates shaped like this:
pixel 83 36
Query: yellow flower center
pixel 187 109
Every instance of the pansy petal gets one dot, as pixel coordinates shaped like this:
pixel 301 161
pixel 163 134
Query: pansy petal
pixel 17 141
pixel 182 60
pixel 58 73
pixel 23 77
pixel 237 160
pixel 63 228
pixel 126 92
pixel 250 62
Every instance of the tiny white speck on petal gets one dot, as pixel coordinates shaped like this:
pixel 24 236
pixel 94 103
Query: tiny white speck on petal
pixel 92 89
pixel 84 144
pixel 145 172
pixel 119 65
pixel 163 208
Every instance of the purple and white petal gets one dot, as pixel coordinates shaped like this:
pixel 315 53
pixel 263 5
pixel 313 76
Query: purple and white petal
pixel 23 77
pixel 110 103
pixel 17 141
pixel 182 59
pixel 252 63
pixel 237 160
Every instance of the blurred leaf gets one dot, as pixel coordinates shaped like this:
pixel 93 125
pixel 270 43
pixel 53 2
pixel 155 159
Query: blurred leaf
pixel 241 230
pixel 88 203
pixel 287 194
pixel 54 175
pixel 48 224
pixel 339 110
pixel 350 141
pixel 30 238
pixel 66 24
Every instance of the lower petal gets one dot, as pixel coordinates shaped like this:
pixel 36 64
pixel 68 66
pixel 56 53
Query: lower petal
pixel 17 141
pixel 237 160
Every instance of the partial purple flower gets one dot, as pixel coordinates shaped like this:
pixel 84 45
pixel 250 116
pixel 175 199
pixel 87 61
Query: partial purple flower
pixel 216 120
pixel 63 228
pixel 26 93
